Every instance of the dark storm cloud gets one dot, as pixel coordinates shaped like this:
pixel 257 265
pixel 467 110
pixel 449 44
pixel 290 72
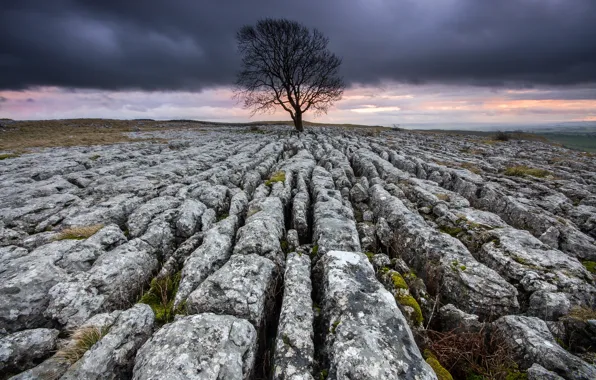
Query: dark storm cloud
pixel 175 44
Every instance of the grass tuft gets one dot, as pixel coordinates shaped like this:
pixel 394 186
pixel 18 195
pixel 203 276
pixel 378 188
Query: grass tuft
pixel 160 297
pixel 279 176
pixel 79 233
pixel 5 156
pixel 590 266
pixel 81 341
pixel 524 171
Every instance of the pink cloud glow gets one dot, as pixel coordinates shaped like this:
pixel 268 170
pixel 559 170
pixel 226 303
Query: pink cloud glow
pixel 387 104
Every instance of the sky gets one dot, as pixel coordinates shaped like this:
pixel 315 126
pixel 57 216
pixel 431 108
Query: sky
pixel 405 62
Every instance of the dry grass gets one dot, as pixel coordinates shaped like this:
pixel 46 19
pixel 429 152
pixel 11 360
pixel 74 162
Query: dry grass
pixel 582 313
pixel 81 341
pixel 474 355
pixel 523 171
pixel 19 136
pixel 79 232
pixel 471 167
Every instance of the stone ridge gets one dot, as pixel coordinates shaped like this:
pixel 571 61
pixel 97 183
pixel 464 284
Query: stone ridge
pixel 255 253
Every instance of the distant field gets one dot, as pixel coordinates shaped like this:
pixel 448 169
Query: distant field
pixel 577 141
pixel 585 143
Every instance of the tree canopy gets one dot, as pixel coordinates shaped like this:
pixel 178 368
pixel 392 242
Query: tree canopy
pixel 287 65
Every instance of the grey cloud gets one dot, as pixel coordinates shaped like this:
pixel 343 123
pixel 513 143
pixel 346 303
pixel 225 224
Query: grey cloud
pixel 184 44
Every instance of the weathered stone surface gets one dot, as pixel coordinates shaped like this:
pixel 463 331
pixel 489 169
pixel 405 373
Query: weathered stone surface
pixel 294 346
pixel 334 226
pixel 445 261
pixel 112 357
pixel 25 279
pixel 139 220
pixel 366 335
pixel 263 229
pixel 538 372
pixel 189 219
pixel 244 287
pixel 531 342
pixel 21 350
pixel 197 347
pixel 210 256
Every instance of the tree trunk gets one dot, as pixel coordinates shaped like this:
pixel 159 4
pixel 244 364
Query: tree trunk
pixel 298 121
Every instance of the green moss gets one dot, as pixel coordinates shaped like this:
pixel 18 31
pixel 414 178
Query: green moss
pixel 520 260
pixel 5 156
pixel 398 281
pixel 463 267
pixel 314 251
pixel 440 371
pixel 408 300
pixel 453 231
pixel 160 297
pixel 323 374
pixel 369 255
pixel 285 246
pixel 279 176
pixel 222 217
pixel 523 171
pixel 334 326
pixel 516 375
pixel 95 157
pixel 590 266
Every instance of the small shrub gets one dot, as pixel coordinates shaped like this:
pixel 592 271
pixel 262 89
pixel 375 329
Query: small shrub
pixel 501 136
pixel 523 171
pixel 279 176
pixel 79 233
pixel 473 355
pixel 81 341
pixel 160 297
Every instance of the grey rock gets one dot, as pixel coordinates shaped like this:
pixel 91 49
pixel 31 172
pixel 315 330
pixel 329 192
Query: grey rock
pixel 21 350
pixel 139 220
pixel 263 229
pixel 113 356
pixel 210 256
pixel 239 204
pixel 294 346
pixel 244 287
pixel 199 347
pixel 531 343
pixel 363 323
pixel 189 218
pixel 538 372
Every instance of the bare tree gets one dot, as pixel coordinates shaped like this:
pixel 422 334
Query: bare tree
pixel 286 64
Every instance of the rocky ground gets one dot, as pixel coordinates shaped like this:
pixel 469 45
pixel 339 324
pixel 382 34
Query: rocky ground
pixel 253 253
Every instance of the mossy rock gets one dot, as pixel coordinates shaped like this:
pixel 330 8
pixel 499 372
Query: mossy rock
pixel 440 371
pixel 398 281
pixel 453 231
pixel 408 300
